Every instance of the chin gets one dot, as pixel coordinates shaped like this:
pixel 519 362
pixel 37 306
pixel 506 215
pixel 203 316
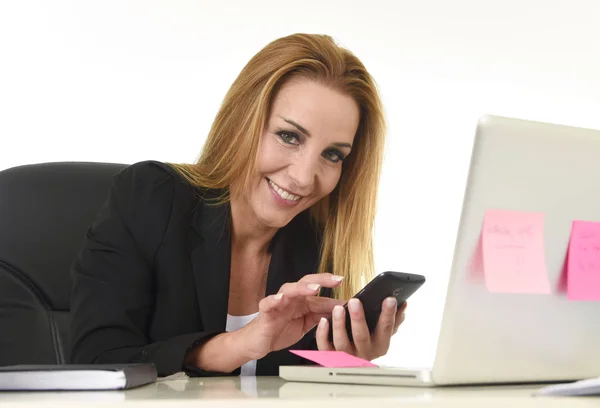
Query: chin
pixel 272 220
pixel 273 216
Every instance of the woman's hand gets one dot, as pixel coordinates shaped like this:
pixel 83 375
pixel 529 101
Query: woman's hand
pixel 284 318
pixel 365 345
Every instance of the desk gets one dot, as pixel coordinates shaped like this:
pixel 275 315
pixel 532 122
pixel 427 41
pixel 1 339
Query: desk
pixel 274 392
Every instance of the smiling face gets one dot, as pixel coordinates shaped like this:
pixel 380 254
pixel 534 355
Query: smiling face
pixel 308 134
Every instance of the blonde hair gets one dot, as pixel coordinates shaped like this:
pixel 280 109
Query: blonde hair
pixel 347 215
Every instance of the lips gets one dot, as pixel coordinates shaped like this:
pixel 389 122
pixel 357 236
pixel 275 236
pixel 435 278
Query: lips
pixel 284 194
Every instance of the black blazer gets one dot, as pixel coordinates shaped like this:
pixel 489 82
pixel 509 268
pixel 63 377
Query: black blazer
pixel 152 278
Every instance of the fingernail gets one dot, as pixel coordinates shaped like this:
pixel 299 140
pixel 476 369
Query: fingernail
pixel 337 278
pixel 390 302
pixel 338 312
pixel 313 286
pixel 322 323
pixel 354 305
pixel 278 296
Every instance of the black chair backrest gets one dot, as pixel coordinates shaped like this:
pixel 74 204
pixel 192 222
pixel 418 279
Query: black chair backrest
pixel 45 211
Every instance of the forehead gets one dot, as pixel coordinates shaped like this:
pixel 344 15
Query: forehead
pixel 321 110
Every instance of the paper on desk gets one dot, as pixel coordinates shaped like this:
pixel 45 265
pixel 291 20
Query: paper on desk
pixel 512 252
pixel 581 277
pixel 578 388
pixel 333 359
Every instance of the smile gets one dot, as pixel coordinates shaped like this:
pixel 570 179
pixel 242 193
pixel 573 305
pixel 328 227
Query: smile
pixel 282 193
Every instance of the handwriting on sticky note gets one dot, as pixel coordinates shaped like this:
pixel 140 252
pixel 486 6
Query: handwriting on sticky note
pixel 583 265
pixel 514 259
pixel 333 359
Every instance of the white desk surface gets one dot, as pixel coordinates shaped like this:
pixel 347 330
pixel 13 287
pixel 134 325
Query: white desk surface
pixel 275 392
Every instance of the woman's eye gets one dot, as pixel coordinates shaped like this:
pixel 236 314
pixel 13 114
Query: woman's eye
pixel 334 156
pixel 288 137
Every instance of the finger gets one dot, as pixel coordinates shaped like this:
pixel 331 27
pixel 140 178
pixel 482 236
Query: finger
pixel 310 284
pixel 385 324
pixel 326 280
pixel 322 336
pixel 341 341
pixel 270 303
pixel 313 319
pixel 296 289
pixel 400 316
pixel 323 305
pixel 361 336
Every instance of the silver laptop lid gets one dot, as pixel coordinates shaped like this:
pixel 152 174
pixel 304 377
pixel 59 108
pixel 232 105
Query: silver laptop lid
pixel 507 337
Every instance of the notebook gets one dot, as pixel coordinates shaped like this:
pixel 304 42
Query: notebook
pixel 68 377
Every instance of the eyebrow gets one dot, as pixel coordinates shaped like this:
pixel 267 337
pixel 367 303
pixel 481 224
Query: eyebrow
pixel 348 145
pixel 300 128
pixel 307 133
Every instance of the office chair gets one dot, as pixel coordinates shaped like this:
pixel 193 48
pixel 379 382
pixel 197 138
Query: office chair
pixel 45 211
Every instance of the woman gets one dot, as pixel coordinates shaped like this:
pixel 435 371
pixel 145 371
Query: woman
pixel 221 267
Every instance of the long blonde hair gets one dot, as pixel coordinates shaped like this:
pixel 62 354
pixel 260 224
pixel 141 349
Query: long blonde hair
pixel 347 215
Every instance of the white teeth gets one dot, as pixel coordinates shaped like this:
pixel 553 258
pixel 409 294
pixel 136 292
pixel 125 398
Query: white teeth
pixel 284 194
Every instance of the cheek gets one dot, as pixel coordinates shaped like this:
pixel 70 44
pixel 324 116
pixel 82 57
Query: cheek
pixel 329 181
pixel 269 156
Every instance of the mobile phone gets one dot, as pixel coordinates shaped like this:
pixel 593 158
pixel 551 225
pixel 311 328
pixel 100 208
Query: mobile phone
pixel 387 284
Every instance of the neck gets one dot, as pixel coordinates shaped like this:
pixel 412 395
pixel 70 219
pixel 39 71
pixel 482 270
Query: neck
pixel 248 233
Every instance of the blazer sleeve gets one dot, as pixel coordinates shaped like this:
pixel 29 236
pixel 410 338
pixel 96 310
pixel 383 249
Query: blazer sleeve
pixel 113 290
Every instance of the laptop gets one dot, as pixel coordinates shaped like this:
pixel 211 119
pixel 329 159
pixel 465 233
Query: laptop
pixel 493 338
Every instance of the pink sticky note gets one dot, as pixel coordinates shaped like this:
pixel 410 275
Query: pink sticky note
pixel 513 252
pixel 583 262
pixel 333 359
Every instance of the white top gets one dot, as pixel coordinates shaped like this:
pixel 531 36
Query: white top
pixel 236 323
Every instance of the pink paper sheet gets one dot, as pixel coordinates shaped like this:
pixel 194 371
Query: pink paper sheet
pixel 333 359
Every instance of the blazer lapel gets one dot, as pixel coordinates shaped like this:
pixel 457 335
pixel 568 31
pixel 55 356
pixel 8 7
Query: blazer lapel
pixel 211 263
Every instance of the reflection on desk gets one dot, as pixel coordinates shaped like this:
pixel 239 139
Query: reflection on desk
pixel 273 391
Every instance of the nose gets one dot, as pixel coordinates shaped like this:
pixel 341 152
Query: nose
pixel 303 173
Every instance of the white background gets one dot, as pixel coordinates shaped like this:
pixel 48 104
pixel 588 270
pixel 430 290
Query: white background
pixel 124 81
